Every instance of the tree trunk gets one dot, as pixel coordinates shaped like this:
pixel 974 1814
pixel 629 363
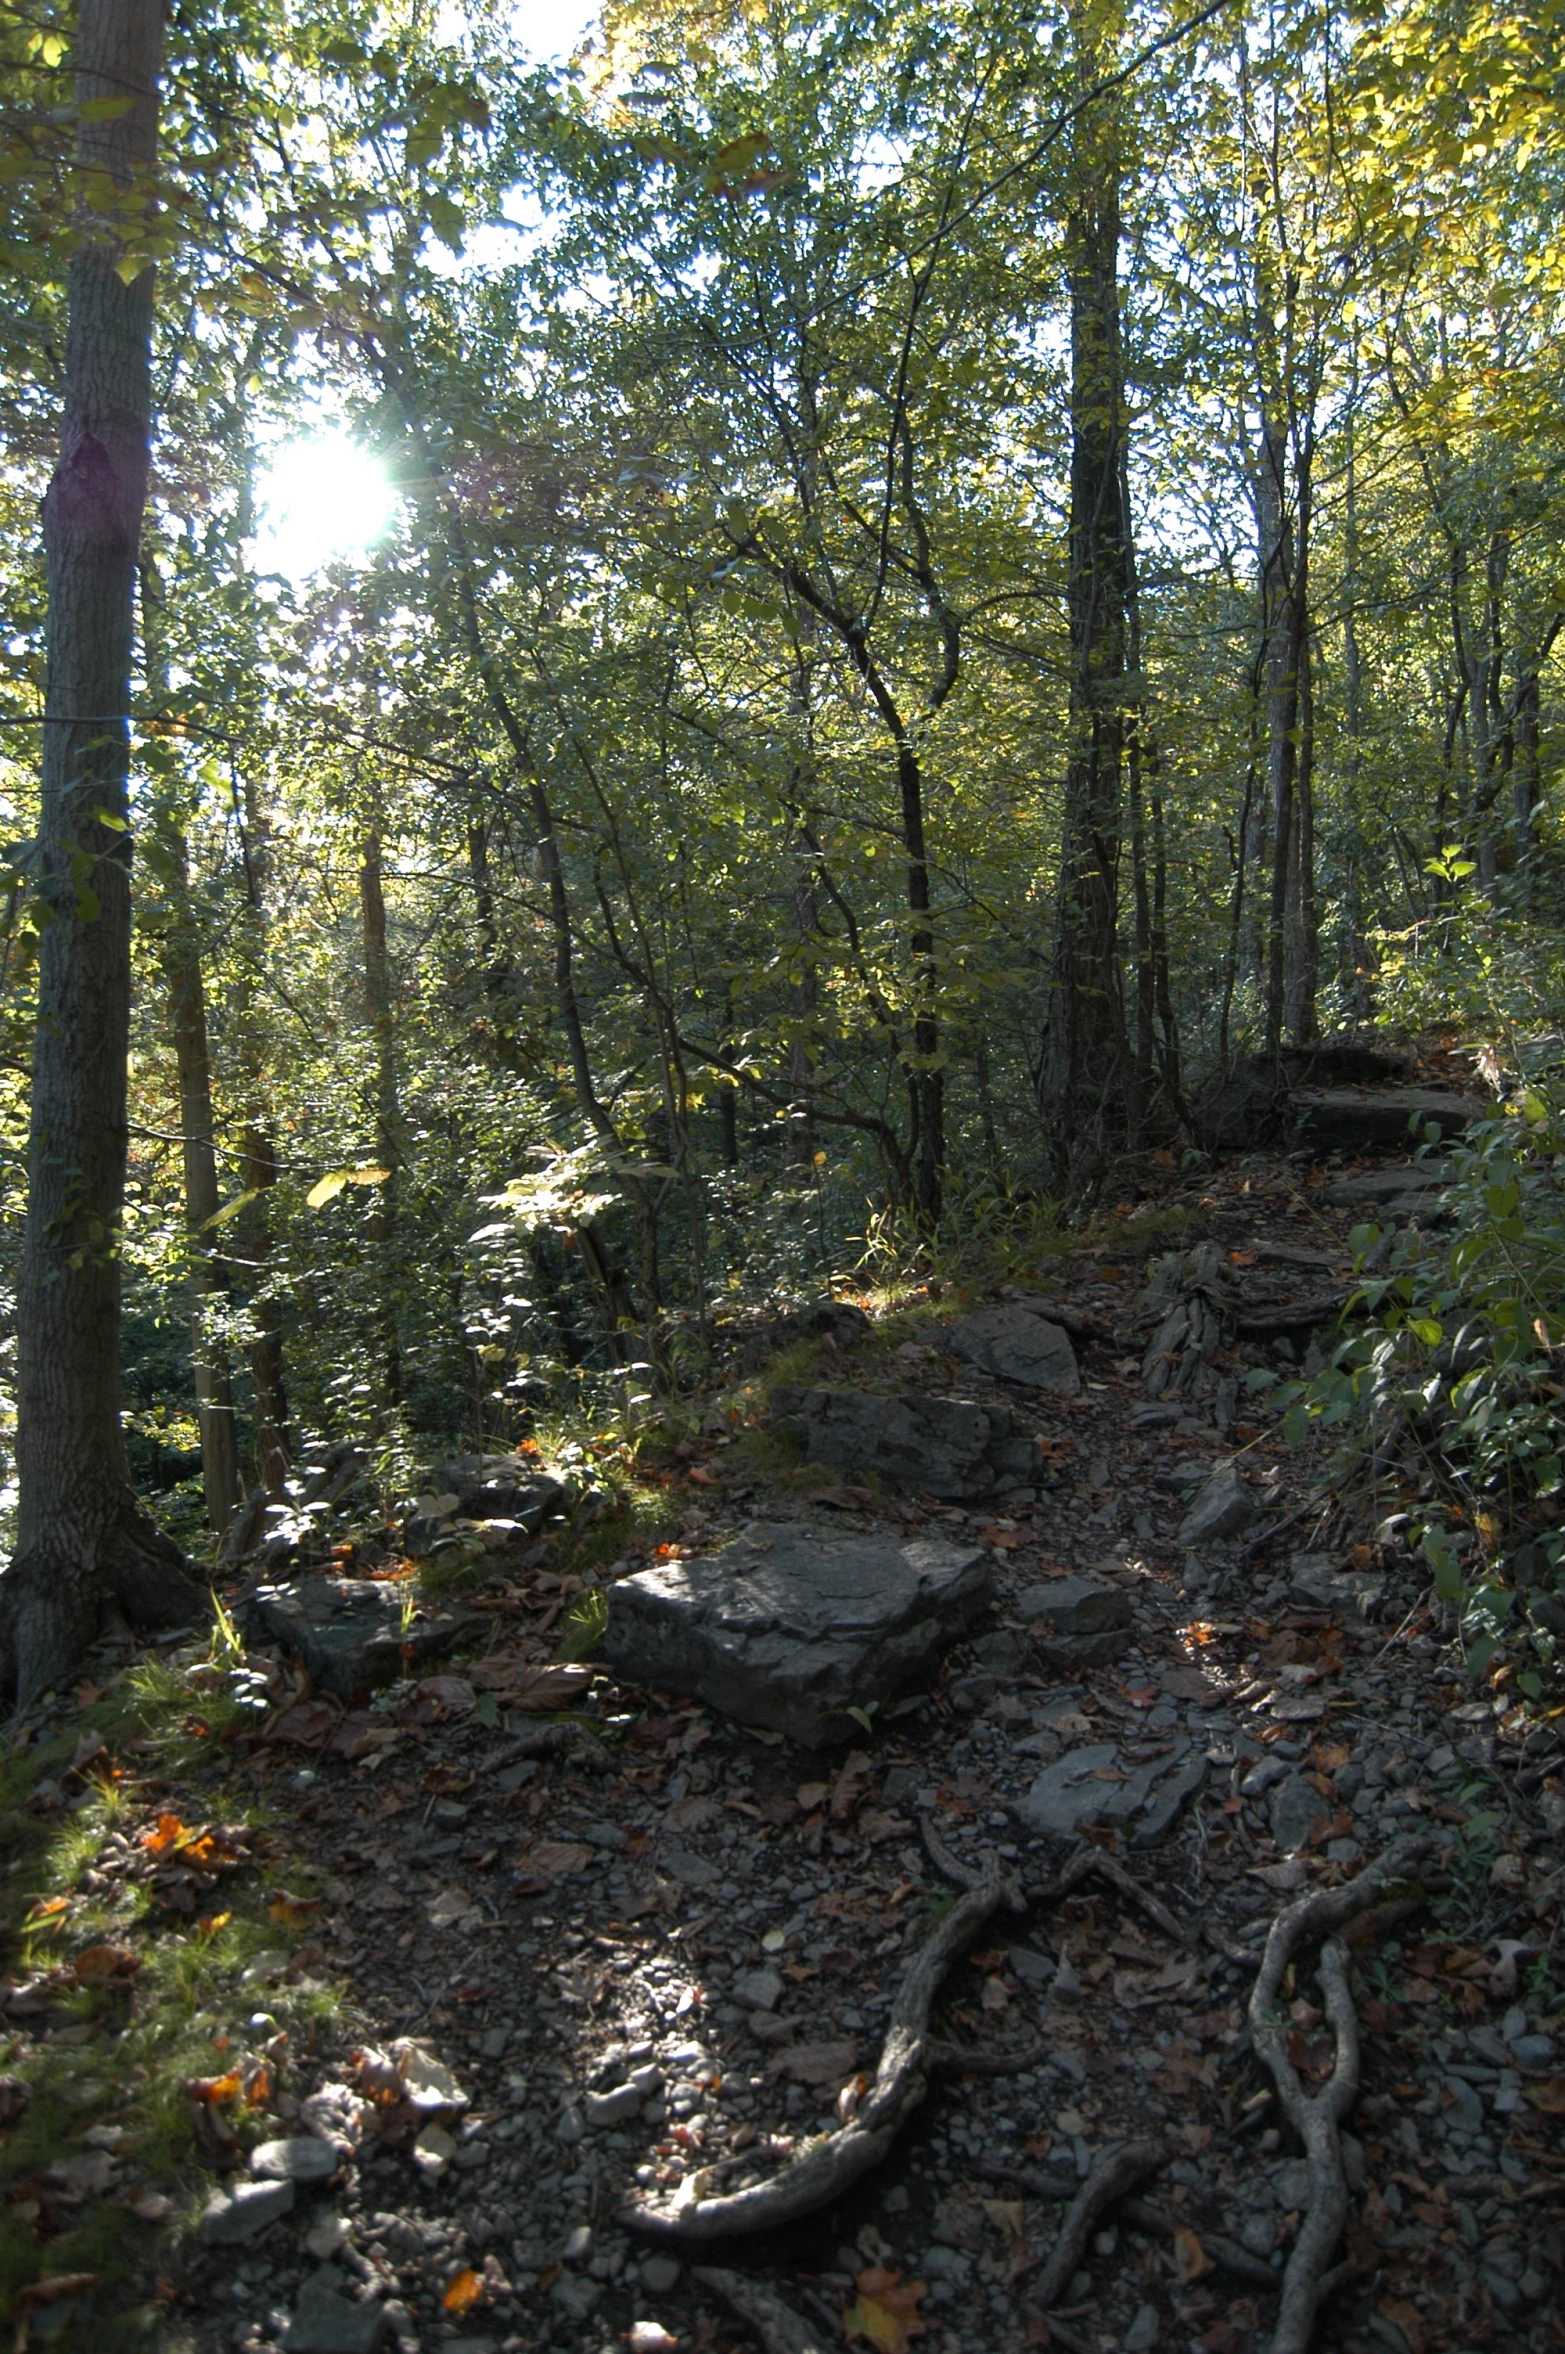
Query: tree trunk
pixel 381 1224
pixel 220 1479
pixel 85 1545
pixel 1085 1058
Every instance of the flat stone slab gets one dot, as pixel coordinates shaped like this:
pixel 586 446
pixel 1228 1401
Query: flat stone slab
pixel 349 1633
pixel 790 1628
pixel 1342 1120
pixel 1094 1788
pixel 946 1447
pixel 328 2321
pixel 1018 1344
pixel 1077 1606
pixel 1414 1180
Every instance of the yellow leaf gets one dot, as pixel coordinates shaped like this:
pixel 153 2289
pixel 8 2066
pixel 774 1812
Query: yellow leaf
pixel 327 1188
pixel 130 266
pixel 295 1910
pixel 463 2293
pixel 885 2313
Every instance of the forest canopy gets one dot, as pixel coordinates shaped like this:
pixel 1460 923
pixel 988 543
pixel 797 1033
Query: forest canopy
pixel 946 575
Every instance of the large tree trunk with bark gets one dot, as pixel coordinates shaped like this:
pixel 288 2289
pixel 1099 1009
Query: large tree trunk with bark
pixel 85 1545
pixel 1085 1075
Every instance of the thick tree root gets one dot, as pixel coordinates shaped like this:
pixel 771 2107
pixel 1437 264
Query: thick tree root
pixel 1318 2118
pixel 779 2328
pixel 1109 2180
pixel 900 2083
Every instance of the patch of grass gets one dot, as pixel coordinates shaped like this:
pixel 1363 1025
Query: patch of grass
pixel 121 2051
pixel 1156 1227
pixel 585 1627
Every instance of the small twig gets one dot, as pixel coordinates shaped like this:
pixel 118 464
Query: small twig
pixel 1109 2180
pixel 779 2328
pixel 1317 2119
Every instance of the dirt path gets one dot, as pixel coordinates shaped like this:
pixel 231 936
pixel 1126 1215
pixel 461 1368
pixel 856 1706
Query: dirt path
pixel 660 1955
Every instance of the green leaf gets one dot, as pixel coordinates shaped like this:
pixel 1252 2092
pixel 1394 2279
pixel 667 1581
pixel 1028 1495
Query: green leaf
pixel 231 1209
pixel 327 1188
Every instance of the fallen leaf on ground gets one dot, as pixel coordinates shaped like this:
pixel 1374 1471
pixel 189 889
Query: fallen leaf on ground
pixel 1406 2318
pixel 1550 2097
pixel 885 2311
pixel 1190 2258
pixel 463 2293
pixel 558 1686
pixel 307 1722
pixel 553 1859
pixel 100 1965
pixel 294 1910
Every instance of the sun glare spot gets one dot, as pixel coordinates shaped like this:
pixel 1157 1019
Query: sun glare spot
pixel 322 499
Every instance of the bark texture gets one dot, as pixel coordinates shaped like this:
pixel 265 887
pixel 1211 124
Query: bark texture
pixel 84 1543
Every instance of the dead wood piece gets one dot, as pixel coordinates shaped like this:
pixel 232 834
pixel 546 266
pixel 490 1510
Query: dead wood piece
pixel 1073 2340
pixel 822 2173
pixel 779 2328
pixel 1109 2180
pixel 1317 2119
pixel 1257 1323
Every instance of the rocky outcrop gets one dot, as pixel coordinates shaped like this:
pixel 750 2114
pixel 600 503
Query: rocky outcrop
pixel 945 1447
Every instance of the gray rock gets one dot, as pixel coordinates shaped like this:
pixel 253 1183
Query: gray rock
pixel 1342 1120
pixel 230 2218
pixel 1071 1655
pixel 1406 1185
pixel 791 1628
pixel 498 1487
pixel 946 1447
pixel 1018 1345
pixel 1034 1969
pixel 1225 1507
pixel 326 2322
pixel 348 1632
pixel 683 1864
pixel 660 2274
pixel 302 2158
pixel 759 1990
pixel 1291 2183
pixel 1532 2051
pixel 1295 1807
pixel 612 2108
pixel 1317 1581
pixel 1146 2328
pixel 576 2294
pixel 1090 1788
pixel 1077 1606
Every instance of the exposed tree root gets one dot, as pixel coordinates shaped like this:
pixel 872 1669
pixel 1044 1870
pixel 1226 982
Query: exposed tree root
pixel 56 1597
pixel 1109 2180
pixel 1088 1860
pixel 900 2083
pixel 555 1737
pixel 1317 2118
pixel 1142 2216
pixel 779 2328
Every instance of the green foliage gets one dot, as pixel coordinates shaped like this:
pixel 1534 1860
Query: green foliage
pixel 1452 1381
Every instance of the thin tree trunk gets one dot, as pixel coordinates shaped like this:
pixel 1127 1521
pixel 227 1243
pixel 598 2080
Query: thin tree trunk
pixel 84 1542
pixel 221 1484
pixel 381 1224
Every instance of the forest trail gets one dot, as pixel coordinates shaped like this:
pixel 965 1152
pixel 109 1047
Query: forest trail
pixel 664 1951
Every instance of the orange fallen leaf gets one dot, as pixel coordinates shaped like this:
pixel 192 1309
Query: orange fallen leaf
pixel 463 2293
pixel 215 2088
pixel 167 1832
pixel 210 1926
pixel 294 1910
pixel 1550 2097
pixel 1190 2258
pixel 48 1908
pixel 885 2311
